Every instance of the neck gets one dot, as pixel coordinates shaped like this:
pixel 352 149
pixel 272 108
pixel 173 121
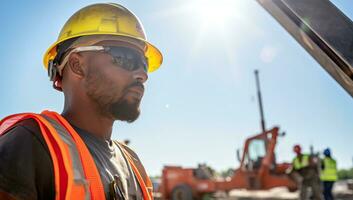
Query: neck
pixel 89 119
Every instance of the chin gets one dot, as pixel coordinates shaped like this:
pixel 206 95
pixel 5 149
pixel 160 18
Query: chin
pixel 126 111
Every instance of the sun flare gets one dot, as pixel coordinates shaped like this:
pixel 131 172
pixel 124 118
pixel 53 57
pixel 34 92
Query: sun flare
pixel 215 13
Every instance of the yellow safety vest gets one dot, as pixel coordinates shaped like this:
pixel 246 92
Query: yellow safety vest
pixel 329 173
pixel 299 164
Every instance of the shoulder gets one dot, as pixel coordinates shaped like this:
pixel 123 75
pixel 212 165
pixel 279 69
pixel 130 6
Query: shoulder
pixel 127 149
pixel 309 156
pixel 25 161
pixel 22 133
pixel 134 157
pixel 330 159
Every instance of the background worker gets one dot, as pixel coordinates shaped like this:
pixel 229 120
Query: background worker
pixel 328 173
pixel 305 167
pixel 100 63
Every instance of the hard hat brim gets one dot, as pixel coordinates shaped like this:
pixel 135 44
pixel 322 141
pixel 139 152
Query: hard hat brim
pixel 152 53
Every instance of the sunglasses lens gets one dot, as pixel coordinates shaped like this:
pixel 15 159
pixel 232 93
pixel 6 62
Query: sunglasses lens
pixel 128 58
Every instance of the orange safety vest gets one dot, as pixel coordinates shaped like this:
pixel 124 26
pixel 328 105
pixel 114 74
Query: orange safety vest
pixel 75 173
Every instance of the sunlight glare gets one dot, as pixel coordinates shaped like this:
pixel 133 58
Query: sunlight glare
pixel 213 13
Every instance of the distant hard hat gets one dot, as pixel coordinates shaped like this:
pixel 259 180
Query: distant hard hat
pixel 105 19
pixel 327 152
pixel 297 148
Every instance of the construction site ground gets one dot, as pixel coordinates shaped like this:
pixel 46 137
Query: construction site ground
pixel 341 192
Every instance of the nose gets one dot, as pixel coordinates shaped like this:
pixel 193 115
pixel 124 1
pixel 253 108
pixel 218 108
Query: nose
pixel 140 75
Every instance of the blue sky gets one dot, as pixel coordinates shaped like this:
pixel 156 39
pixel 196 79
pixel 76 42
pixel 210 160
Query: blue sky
pixel 201 105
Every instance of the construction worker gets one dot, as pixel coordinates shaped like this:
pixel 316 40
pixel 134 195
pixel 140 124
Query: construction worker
pixel 305 166
pixel 328 173
pixel 100 63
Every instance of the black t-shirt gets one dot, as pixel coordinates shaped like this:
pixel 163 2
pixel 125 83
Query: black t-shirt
pixel 26 169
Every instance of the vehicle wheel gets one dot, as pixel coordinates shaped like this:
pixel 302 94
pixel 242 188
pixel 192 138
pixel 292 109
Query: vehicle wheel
pixel 291 189
pixel 182 192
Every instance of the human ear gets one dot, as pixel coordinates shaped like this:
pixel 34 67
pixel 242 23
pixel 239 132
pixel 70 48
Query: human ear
pixel 75 63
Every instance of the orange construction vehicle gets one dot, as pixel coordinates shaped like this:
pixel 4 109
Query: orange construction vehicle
pixel 258 169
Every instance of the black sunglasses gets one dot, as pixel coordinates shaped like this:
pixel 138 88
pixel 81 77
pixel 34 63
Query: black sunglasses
pixel 127 58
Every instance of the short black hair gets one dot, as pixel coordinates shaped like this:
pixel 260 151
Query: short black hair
pixel 62 48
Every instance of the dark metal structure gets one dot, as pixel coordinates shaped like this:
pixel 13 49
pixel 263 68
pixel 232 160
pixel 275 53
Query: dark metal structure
pixel 323 30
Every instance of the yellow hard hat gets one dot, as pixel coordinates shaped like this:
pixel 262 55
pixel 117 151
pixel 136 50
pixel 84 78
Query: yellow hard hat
pixel 105 19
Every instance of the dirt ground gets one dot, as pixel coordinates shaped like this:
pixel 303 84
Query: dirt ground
pixel 340 190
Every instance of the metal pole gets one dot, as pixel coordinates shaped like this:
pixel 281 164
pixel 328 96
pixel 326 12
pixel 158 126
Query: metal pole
pixel 260 100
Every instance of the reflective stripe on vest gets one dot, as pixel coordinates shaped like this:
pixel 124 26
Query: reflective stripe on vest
pixel 329 173
pixel 75 173
pixel 79 176
pixel 299 164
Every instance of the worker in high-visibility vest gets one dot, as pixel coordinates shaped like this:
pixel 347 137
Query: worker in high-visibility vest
pixel 100 63
pixel 328 173
pixel 305 166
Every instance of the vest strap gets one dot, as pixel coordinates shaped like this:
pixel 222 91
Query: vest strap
pixel 90 170
pixel 145 184
pixel 78 173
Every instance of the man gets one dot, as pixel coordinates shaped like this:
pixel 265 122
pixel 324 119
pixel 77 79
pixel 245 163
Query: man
pixel 100 63
pixel 328 173
pixel 305 166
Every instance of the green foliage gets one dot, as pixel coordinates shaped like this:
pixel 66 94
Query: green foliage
pixel 344 174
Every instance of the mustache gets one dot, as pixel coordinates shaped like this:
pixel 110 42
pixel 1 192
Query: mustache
pixel 136 84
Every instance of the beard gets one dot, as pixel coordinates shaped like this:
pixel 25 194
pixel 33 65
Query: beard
pixel 104 93
pixel 125 111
